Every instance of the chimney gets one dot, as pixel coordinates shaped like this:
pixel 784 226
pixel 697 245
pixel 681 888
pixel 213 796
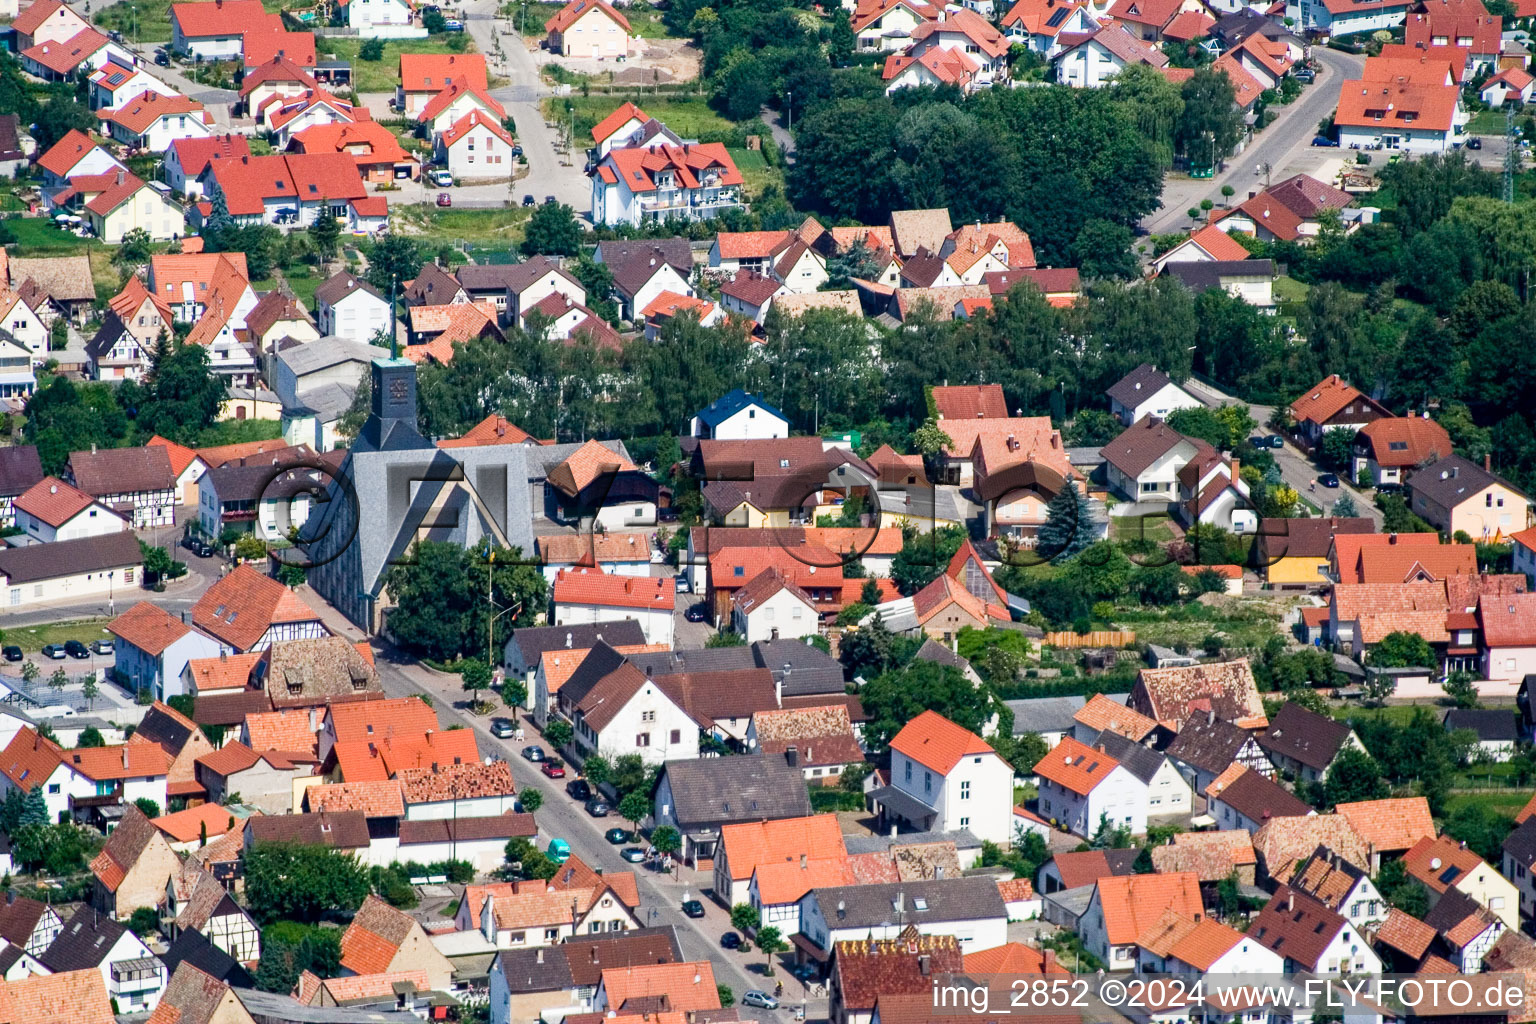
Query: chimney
pixel 1487 463
pixel 924 964
pixel 125 755
pixel 540 958
pixel 1048 961
pixel 792 756
pixel 314 726
pixel 1290 902
pixel 1237 465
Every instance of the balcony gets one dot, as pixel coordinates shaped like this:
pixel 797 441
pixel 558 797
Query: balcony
pixel 691 204
pixel 142 975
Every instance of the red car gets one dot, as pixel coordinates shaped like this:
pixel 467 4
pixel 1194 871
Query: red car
pixel 444 199
pixel 553 769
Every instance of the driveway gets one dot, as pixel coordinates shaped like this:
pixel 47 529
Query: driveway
pixel 1285 146
pixel 1296 469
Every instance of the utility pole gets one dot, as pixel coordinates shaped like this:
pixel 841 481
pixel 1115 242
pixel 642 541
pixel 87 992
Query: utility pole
pixel 1511 152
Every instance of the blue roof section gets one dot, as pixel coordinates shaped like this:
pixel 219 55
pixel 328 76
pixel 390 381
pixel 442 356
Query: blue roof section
pixel 731 403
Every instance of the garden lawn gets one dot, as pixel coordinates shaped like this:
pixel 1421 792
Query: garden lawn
pixel 384 74
pixel 36 236
pixel 434 226
pixel 1288 289
pixel 688 119
pixel 1154 529
pixel 1397 714
pixel 1507 803
pixel 756 175
pixel 34 638
pixel 1486 122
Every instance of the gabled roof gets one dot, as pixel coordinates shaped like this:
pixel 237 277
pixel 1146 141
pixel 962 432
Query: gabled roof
pixel 219 19
pixel 573 12
pixel 1392 825
pixel 1397 104
pixel 1144 442
pixel 1138 385
pixel 935 742
pixel 977 30
pixel 1508 621
pixel 1296 926
pixel 685 987
pixel 1172 695
pixel 619 118
pixel 36 14
pixel 1107 715
pixel 111 471
pixel 638 167
pixel 711 791
pixel 969 401
pixel 1284 842
pixel 137 115
pixel 445 99
pixel 20 468
pixel 64 57
pixel 124 847
pixel 1075 766
pixel 64 155
pixel 73 996
pixel 374 937
pixel 148 627
pixel 53 501
pixel 429 72
pixel 1304 736
pixel 263 47
pixel 277 69
pixel 592 586
pixel 1131 904
pixel 1405 933
pixel 1253 796
pixel 1208 743
pixel 1123 46
pixel 749 844
pixel 1451 481
pixel 243 605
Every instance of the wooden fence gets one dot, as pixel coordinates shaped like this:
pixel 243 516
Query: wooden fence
pixel 1094 638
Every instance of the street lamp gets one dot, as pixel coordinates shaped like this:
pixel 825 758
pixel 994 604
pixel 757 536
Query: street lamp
pixel 789 102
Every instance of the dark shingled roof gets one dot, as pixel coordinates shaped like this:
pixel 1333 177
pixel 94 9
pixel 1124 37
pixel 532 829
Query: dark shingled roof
pixel 1519 844
pixel 1304 736
pixel 122 470
pixel 70 557
pixel 1492 725
pixel 1209 743
pixel 442 830
pixel 1259 799
pixel 1146 441
pixel 532 642
pixel 516 276
pixel 84 943
pixel 714 791
pixel 630 262
pixel 1198 275
pixel 195 948
pixel 343 829
pixel 1448 482
pixel 1142 762
pixel 933 900
pixel 339 286
pixel 1138 385
pixel 20 468
pixel 18 918
pixel 1305 538
pixel 581 961
pixel 229 708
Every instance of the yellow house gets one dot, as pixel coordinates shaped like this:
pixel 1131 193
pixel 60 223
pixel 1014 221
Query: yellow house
pixel 1455 496
pixel 126 204
pixel 588 28
pixel 748 514
pixel 1295 551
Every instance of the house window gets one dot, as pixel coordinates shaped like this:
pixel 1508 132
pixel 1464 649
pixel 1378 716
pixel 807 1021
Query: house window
pixel 676 736
pixel 965 790
pixel 927 782
pixel 964 822
pixel 909 771
pixel 551 934
pixel 647 716
pixel 643 739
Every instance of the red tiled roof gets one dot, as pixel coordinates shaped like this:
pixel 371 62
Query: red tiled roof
pixel 137 115
pixel 573 11
pixel 124 761
pixel 53 501
pixel 616 120
pixel 277 69
pixel 1397 104
pixel 592 586
pixel 1219 244
pixel 221 18
pixel 63 58
pixel 263 47
pixel 30 759
pixel 637 166
pixel 243 605
pixel 951 67
pixel 376 720
pixel 1133 903
pixel 1075 766
pixel 63 156
pixel 185 826
pixel 34 16
pixel 429 72
pixel 1508 621
pixel 148 627
pixel 445 99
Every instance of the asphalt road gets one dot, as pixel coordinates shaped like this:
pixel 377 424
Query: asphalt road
pixel 559 816
pixel 1296 469
pixel 1285 146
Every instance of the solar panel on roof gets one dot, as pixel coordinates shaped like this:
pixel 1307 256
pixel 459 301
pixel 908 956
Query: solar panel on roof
pixel 1449 873
pixel 1058 17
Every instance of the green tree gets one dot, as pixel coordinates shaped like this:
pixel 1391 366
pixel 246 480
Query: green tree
pixel 1209 126
pixel 745 918
pixel 668 840
pixel 770 940
pixel 1093 428
pixel 372 50
pixel 558 733
pixel 1338 448
pixel 58 680
pixel 727 997
pixel 1459 687
pixel 135 248
pixel 552 231
pixel 1102 250
pixel 514 692
pixel 298 882
pixel 157 562
pixel 1401 649
pixel 1399 890
pixel 1355 775
pixel 289 948
pixel 856 262
pixel 634 807
pixel 1068 526
pixel 1344 508
pixel 90 690
pixel 393 258
pixel 532 798
pixel 180 396
pixel 60 116
pixel 90 736
pixel 923 556
pixel 324 233
pixel 475 676
pixel 895 698
pixel 441 594
pixel 144 921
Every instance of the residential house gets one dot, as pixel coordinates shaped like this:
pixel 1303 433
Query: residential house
pixel 1480 34
pixel 153 121
pixel 864 973
pixel 25 326
pixel 51 510
pixel 267 612
pixel 1387 450
pixel 933 68
pixel 293 189
pixel 262 47
pixel 1081 788
pixel 20 469
pixel 1243 798
pixel 1152 20
pixel 1250 280
pixel 739 416
pixel 1283 843
pixel 524 982
pixel 29 924
pixel 1292 210
pixel 452 108
pixel 75 155
pixel 133 867
pixel 960 31
pixel 257 495
pixel 1167 790
pixel 686 987
pixel 1389 827
pixel 348 307
pixel 1342 887
pixel 458 790
pixel 515 290
pixel 1212 492
pixel 314 109
pixel 1496 729
pixel 1092 61
pixel 637 185
pixel 750 294
pixel 645 270
pixel 424 76
pixel 1467 930
pixel 1455 495
pixel 1312 938
pixel 588 595
pixel 90 941
pixel 1201 945
pixel 193 284
pixel 135 482
pixel 380 157
pixel 70 570
pixel 46 21
pixel 1042 25
pixel 81 55
pixel 746 846
pixel 1305 744
pixel 117 83
pixel 588 29
pixel 770 607
pixel 381 938
pixel 698 797
pixel 1207 746
pixel 183 743
pixel 889 24
pixel 1102 714
pixel 1123 908
pixel 1147 391
pixel 1296 551
pixel 969 909
pixel 1511 84
pixel 818 740
pixel 134 323
pixel 373 720
pixel 386 19
pixel 1143 462
pixel 1508 624
pixel 277 316
pixel 1209 244
pixel 1400 114
pixel 1212 856
pixel 1172 695
pixel 1342 18
pixel 271 85
pixel 624 711
pixel 522 915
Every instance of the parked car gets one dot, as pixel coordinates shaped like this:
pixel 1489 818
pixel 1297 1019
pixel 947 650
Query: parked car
pixel 1325 141
pixel 1328 480
pixel 197 545
pixel 730 940
pixel 633 854
pixel 528 200
pixel 517 152
pixel 453 25
pixel 102 646
pixel 597 807
pixel 444 199
pixel 693 908
pixel 549 200
pixel 577 789
pixel 76 649
pixel 440 177
pixel 1272 441
pixel 163 59
pixel 617 836
pixel 1305 75
pixel 13 653
pixel 553 769
pixel 695 613
pixel 682 584
pixel 54 651
pixel 534 754
pixel 1474 143
pixel 503 728
pixel 757 997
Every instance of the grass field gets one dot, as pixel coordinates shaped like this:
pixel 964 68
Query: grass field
pixel 1152 528
pixel 148 21
pixel 431 225
pixel 1505 803
pixel 37 236
pixel 384 74
pixel 1397 714
pixel 34 638
pixel 688 119
pixel 1486 122
pixel 301 281
pixel 756 175
pixel 1288 289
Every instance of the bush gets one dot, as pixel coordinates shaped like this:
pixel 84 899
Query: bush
pixel 825 798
